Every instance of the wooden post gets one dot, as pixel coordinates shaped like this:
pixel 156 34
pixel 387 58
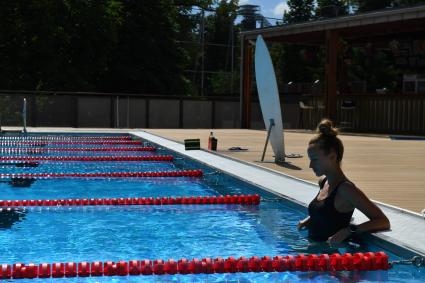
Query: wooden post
pixel 332 40
pixel 245 93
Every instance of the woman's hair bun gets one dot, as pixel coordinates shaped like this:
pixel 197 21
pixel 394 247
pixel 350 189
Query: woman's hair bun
pixel 326 128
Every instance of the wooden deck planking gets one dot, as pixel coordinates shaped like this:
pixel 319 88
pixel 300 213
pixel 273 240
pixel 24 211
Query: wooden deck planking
pixel 389 171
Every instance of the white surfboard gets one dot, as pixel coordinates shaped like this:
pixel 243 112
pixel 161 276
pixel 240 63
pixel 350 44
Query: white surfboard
pixel 269 97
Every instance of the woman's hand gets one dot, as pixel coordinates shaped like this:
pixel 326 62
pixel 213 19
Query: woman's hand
pixel 339 236
pixel 303 224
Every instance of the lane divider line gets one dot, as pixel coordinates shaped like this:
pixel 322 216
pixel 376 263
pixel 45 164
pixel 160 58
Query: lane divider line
pixel 89 158
pixel 236 199
pixel 66 138
pixel 40 143
pixel 301 262
pixel 181 173
pixel 53 149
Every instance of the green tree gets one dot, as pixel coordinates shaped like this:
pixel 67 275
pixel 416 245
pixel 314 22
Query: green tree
pixel 299 11
pixel 147 57
pixel 403 3
pixel 331 8
pixel 371 5
pixel 55 45
pixel 295 62
pixel 87 45
pixel 373 66
pixel 221 32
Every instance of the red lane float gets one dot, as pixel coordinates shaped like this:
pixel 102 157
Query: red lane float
pixel 144 148
pixel 39 143
pixel 67 138
pixel 301 262
pixel 182 173
pixel 236 199
pixel 53 149
pixel 89 158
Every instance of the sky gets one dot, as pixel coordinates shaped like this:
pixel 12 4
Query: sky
pixel 268 8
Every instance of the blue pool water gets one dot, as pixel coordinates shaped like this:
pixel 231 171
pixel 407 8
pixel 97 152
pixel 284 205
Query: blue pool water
pixel 88 167
pixel 61 234
pixel 108 188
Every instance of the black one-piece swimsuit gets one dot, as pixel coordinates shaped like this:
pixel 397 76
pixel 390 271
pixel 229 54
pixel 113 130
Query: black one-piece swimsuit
pixel 325 220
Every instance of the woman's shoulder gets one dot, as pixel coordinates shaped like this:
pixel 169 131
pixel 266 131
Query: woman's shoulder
pixel 348 189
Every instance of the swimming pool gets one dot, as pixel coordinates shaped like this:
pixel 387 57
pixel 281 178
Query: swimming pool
pixel 63 234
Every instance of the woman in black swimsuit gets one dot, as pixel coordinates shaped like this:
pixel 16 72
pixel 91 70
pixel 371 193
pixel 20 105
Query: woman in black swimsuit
pixel 331 210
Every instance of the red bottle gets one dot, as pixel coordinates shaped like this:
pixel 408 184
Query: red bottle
pixel 212 142
pixel 210 139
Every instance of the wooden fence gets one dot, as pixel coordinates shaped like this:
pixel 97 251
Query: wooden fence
pixel 374 113
pixel 67 109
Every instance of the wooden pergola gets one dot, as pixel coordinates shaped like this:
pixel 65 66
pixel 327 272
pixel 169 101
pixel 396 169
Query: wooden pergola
pixel 356 30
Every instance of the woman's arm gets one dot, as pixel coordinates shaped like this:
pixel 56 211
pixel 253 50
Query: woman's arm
pixel 303 223
pixel 357 199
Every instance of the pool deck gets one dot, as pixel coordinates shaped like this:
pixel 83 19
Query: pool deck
pixel 389 171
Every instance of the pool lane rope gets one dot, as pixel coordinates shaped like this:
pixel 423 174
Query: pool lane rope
pixel 88 158
pixel 52 138
pixel 53 149
pixel 25 150
pixel 40 143
pixel 301 262
pixel 181 173
pixel 199 200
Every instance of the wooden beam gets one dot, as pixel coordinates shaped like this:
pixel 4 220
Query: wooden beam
pixel 332 42
pixel 246 83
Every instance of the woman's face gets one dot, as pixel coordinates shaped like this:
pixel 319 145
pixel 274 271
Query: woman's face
pixel 319 161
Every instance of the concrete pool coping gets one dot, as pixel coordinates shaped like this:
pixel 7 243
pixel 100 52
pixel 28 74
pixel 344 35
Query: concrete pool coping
pixel 407 228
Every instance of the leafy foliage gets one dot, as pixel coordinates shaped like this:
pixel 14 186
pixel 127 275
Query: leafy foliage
pixel 55 44
pixel 221 34
pixel 299 11
pixel 326 8
pixel 154 46
pixel 88 45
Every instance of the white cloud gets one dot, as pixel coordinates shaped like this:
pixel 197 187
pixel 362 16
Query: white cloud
pixel 243 2
pixel 280 8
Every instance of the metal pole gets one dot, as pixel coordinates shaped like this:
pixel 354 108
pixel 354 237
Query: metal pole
pixel 268 136
pixel 202 50
pixel 24 116
pixel 232 56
